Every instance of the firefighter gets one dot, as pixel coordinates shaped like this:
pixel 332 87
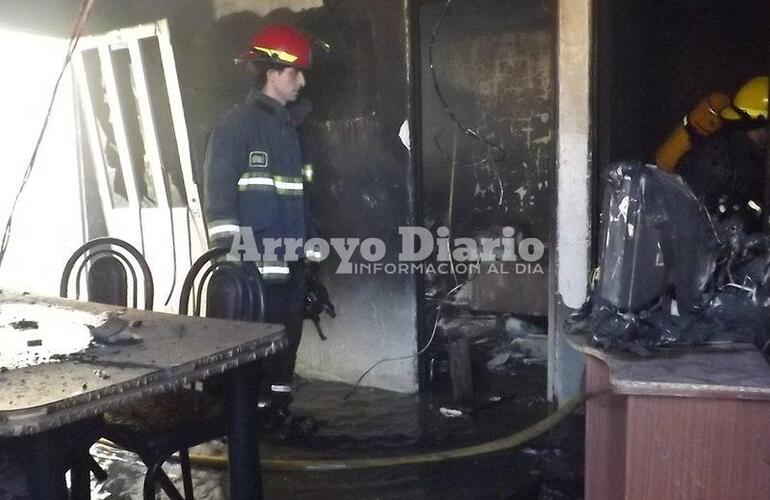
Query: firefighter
pixel 727 169
pixel 255 180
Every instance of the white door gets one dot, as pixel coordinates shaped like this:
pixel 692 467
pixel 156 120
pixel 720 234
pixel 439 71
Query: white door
pixel 136 153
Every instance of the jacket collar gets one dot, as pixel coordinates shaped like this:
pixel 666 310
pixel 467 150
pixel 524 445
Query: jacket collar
pixel 268 104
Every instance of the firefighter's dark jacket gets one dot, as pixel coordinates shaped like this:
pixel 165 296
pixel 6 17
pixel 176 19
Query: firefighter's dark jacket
pixel 726 168
pixel 253 175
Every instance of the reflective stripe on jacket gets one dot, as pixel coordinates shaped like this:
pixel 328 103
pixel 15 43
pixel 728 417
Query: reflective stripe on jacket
pixel 253 174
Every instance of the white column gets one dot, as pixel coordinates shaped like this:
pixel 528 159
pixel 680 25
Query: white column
pixel 571 259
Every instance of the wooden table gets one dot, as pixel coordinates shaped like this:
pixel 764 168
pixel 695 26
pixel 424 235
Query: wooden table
pixel 689 425
pixel 54 376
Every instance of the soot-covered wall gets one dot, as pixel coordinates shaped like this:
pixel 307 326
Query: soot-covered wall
pixel 494 65
pixel 363 181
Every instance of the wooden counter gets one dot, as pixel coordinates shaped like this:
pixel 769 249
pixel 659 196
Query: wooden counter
pixel 689 425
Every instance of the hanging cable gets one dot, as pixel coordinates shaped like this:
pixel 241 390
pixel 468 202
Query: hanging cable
pixel 85 10
pixel 491 160
pixel 440 94
pixel 418 353
pixel 173 243
pixel 401 358
pixel 546 9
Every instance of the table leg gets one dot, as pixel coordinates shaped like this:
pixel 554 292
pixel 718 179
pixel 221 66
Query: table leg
pixel 43 469
pixel 242 431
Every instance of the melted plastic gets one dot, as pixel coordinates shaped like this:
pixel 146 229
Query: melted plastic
pixel 669 274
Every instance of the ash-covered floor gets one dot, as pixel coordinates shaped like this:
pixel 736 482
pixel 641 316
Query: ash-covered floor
pixel 376 423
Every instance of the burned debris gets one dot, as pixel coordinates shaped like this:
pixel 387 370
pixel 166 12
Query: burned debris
pixel 670 273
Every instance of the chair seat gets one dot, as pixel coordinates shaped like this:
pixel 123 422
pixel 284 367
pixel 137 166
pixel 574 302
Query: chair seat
pixel 166 421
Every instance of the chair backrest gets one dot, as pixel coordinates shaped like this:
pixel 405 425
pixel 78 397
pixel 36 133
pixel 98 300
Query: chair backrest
pixel 107 281
pixel 107 276
pixel 233 291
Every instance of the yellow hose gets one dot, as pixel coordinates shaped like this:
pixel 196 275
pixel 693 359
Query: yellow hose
pixel 506 443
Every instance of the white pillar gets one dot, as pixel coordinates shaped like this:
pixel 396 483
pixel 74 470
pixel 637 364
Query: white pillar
pixel 570 262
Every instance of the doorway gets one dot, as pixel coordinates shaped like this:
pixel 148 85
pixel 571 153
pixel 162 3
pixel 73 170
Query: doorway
pixel 487 147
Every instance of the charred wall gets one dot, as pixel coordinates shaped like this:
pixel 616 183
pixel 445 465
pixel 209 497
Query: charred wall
pixel 365 186
pixel 494 65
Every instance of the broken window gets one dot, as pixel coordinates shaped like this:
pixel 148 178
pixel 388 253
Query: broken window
pixel 103 133
pixel 132 117
pixel 159 97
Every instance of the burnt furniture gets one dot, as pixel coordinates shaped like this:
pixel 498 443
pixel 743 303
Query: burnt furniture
pixel 684 425
pixel 55 376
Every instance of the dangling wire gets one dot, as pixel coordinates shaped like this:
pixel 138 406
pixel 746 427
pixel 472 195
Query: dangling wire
pixel 85 10
pixel 418 353
pixel 173 242
pixel 440 95
pixel 499 150
pixel 546 9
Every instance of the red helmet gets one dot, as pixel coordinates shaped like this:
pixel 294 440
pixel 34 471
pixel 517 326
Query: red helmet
pixel 281 44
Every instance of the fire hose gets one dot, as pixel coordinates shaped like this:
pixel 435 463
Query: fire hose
pixel 502 444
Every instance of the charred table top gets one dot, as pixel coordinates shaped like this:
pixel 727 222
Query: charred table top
pixel 62 361
pixel 737 371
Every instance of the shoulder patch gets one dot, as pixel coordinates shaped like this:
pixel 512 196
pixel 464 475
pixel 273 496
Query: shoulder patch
pixel 258 159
